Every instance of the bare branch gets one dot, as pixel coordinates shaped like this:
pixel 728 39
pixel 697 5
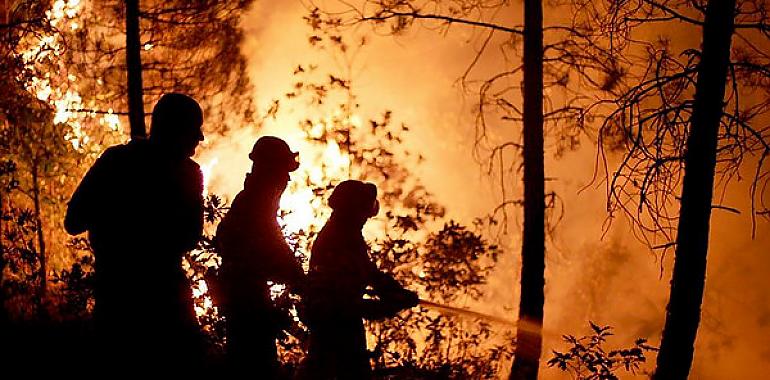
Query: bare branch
pixel 384 16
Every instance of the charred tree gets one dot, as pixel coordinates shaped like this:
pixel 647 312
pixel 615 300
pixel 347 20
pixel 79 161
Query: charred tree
pixel 689 276
pixel 529 340
pixel 134 71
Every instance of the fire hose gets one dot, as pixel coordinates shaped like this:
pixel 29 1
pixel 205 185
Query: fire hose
pixel 465 312
pixel 530 327
pixel 396 292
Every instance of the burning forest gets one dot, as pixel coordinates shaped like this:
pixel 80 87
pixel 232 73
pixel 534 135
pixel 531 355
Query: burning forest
pixel 371 189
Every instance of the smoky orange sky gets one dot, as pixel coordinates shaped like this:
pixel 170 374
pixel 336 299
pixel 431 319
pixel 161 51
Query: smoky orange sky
pixel 608 278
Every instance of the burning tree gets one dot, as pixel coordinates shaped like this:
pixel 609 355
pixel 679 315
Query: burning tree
pixel 36 140
pixel 67 88
pixel 36 145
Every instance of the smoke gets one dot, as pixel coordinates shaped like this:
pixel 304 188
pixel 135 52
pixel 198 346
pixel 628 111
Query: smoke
pixel 593 273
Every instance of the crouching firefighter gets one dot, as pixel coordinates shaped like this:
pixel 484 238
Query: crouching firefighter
pixel 254 251
pixel 340 273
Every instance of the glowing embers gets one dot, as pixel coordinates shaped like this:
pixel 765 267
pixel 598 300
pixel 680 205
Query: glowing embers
pixel 63 10
pixel 205 304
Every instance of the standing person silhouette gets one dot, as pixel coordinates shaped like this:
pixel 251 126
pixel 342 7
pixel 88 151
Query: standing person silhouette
pixel 254 251
pixel 142 206
pixel 340 272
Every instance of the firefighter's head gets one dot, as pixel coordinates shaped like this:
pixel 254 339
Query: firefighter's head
pixel 272 153
pixel 176 124
pixel 355 199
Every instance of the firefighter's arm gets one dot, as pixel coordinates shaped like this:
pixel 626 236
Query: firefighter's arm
pixel 375 310
pixel 392 297
pixel 287 270
pixel 293 274
pixel 81 207
pixel 388 304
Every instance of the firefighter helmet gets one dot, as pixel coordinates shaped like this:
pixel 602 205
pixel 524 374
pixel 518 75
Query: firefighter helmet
pixel 355 197
pixel 274 152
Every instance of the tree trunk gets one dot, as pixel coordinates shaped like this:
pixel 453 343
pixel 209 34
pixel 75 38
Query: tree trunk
pixel 43 286
pixel 134 71
pixel 689 276
pixel 3 311
pixel 529 338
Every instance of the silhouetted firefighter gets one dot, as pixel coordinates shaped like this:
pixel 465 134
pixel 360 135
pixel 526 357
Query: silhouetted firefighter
pixel 340 273
pixel 142 205
pixel 254 251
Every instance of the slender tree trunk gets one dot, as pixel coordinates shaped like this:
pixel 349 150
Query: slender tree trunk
pixel 134 70
pixel 529 340
pixel 689 276
pixel 43 286
pixel 3 311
